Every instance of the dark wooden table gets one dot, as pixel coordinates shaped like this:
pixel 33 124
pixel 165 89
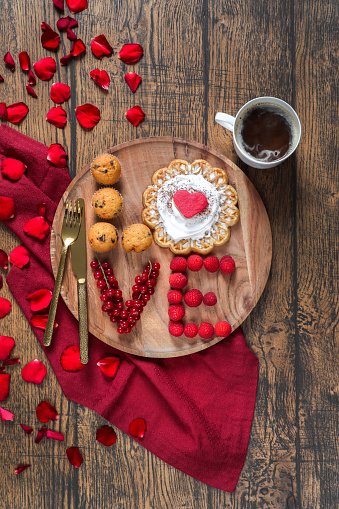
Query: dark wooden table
pixel 201 57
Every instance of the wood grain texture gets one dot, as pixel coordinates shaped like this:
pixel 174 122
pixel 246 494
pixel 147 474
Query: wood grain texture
pixel 201 57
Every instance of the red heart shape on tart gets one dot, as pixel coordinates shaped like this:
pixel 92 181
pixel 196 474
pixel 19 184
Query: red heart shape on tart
pixel 190 204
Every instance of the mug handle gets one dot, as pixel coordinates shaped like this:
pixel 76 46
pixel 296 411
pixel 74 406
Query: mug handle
pixel 225 120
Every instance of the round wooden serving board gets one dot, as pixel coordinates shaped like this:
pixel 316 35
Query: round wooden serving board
pixel 250 245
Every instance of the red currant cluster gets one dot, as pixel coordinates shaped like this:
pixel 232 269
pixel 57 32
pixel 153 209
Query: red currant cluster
pixel 128 313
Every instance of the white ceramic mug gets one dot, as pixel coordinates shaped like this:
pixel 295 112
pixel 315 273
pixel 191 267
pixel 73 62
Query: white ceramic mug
pixel 231 123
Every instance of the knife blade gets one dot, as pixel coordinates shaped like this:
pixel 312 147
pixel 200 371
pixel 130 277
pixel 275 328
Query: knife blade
pixel 79 267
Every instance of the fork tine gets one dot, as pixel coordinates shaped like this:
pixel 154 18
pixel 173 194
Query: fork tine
pixel 65 214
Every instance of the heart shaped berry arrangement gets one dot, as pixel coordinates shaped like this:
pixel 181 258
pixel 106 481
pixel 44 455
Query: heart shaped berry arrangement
pixel 190 204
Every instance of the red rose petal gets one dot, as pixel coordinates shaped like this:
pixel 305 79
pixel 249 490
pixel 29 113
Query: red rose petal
pixel 62 24
pixel 59 4
pixel 16 112
pixel 57 116
pixel 3 259
pixel 135 115
pixel 34 372
pixel 45 68
pixel 101 47
pixel 3 111
pixel 50 39
pixel 41 208
pixel 137 428
pixel 5 307
pixel 45 27
pixel 77 48
pixel 4 385
pixel 109 366
pixel 11 362
pixel 131 53
pixel 60 92
pixel 88 115
pixel 57 155
pixel 76 5
pixel 6 346
pixel 45 412
pixel 72 22
pixel 55 435
pixel 65 60
pixel 39 300
pixel 37 227
pixel 106 435
pixel 21 468
pixel 31 92
pixel 31 78
pixel 19 256
pixel 74 456
pixel 40 322
pixel 133 80
pixel 7 208
pixel 13 168
pixel 71 35
pixel 24 60
pixel 101 78
pixel 1 79
pixel 6 415
pixel 27 429
pixel 8 59
pixel 41 434
pixel 70 359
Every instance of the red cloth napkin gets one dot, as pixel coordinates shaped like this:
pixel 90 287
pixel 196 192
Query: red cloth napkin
pixel 198 408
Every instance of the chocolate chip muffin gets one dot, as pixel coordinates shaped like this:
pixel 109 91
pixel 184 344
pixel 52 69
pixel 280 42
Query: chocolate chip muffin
pixel 137 237
pixel 106 169
pixel 103 237
pixel 107 203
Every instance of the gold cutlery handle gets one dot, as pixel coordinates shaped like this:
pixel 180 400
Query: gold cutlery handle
pixel 83 329
pixel 54 303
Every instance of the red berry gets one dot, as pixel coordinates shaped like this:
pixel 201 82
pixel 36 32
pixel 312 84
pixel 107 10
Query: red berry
pixel 176 312
pixel 151 291
pixel 120 330
pixel 109 304
pixel 130 319
pixel 143 289
pixel 94 264
pixel 174 296
pixel 104 297
pixel 154 274
pixel 227 264
pixel 123 324
pixel 109 272
pixel 194 263
pixel 116 312
pixel 175 329
pixel 117 294
pixel 110 292
pixel 193 298
pixel 151 282
pixel 113 319
pixel 135 295
pixel 190 330
pixel 206 330
pixel 144 277
pixel 103 307
pixel 119 305
pixel 145 298
pixel 223 329
pixel 101 284
pixel 105 265
pixel 210 299
pixel 155 266
pixel 178 264
pixel 137 303
pixel 211 263
pixel 97 274
pixel 137 279
pixel 128 329
pixel 178 280
pixel 124 313
pixel 129 303
pixel 136 288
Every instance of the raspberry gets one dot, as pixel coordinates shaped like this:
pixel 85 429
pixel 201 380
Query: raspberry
pixel 178 264
pixel 206 330
pixel 174 296
pixel 176 312
pixel 227 264
pixel 178 280
pixel 175 329
pixel 210 299
pixel 195 263
pixel 193 298
pixel 190 330
pixel 223 329
pixel 211 263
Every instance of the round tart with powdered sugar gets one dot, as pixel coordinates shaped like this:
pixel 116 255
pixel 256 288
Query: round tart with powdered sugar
pixel 190 207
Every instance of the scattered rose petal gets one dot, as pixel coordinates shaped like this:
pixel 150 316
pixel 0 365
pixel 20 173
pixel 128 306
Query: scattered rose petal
pixel 31 78
pixel 3 111
pixel 45 27
pixel 131 53
pixel 39 300
pixel 41 434
pixel 62 24
pixel 6 415
pixel 8 59
pixel 57 116
pixel 76 5
pixel 71 35
pixel 42 208
pixel 74 456
pixel 13 168
pixel 55 435
pixel 19 256
pixel 77 48
pixel 106 435
pixel 21 468
pixel 1 79
pixel 4 385
pixel 70 359
pixel 27 429
pixel 65 60
pixel 101 78
pixel 72 22
pixel 7 208
pixel 11 362
pixel 40 322
pixel 24 60
pixel 5 307
pixel 37 227
pixel 101 47
pixel 57 155
pixel 109 366
pixel 133 80
pixel 88 115
pixel 45 412
pixel 31 92
pixel 137 428
pixel 59 4
pixel 50 39
pixel 6 346
pixel 45 68
pixel 135 115
pixel 60 92
pixel 16 112
pixel 1 282
pixel 34 372
pixel 3 259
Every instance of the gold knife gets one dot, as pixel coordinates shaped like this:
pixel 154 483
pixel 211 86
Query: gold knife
pixel 79 267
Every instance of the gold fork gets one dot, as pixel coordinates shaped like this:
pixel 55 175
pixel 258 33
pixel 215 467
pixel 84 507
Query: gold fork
pixel 69 233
